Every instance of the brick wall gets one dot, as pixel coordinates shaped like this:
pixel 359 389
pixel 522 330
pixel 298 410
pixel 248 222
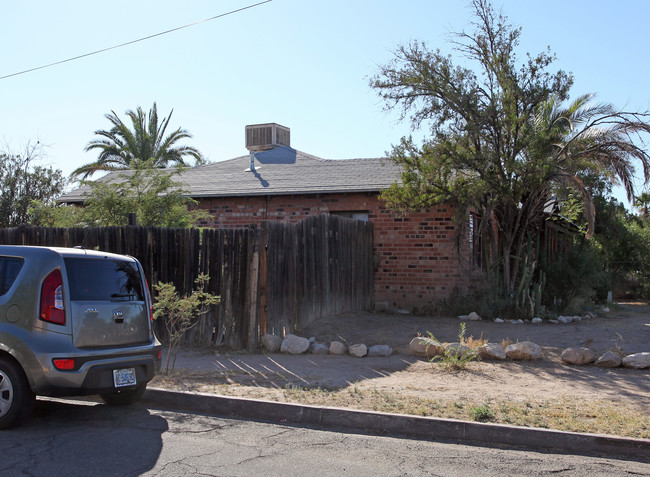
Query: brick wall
pixel 415 256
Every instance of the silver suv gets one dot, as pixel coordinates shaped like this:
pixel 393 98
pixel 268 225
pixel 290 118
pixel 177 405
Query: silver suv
pixel 72 322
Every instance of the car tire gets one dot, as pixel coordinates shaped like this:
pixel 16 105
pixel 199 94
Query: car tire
pixel 16 397
pixel 124 397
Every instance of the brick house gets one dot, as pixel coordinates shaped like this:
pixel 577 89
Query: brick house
pixel 416 259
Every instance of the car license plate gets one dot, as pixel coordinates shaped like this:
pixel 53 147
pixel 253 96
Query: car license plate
pixel 124 377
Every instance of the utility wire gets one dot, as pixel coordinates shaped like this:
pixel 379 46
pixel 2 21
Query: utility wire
pixel 135 41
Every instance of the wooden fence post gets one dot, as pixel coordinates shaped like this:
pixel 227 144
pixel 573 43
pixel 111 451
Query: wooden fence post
pixel 263 277
pixel 252 285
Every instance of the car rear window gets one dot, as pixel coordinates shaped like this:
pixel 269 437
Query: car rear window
pixel 103 280
pixel 9 268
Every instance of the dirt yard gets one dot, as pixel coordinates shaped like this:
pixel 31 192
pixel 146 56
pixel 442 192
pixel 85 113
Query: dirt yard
pixel 626 328
pixel 405 377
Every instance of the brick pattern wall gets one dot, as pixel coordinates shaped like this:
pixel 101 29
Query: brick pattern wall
pixel 416 261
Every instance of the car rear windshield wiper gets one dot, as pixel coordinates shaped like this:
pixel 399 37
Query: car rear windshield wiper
pixel 123 295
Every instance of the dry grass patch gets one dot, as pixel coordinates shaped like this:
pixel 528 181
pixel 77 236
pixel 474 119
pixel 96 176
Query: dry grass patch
pixel 563 413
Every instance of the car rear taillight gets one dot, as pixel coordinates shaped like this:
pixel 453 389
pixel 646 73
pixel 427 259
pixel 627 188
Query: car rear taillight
pixel 63 364
pixel 52 309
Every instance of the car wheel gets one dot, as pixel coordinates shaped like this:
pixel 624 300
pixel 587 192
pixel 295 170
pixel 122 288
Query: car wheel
pixel 124 397
pixel 16 397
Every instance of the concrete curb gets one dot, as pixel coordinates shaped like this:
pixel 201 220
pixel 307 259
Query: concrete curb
pixel 414 427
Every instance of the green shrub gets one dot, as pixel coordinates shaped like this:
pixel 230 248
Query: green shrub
pixel 576 278
pixel 180 314
pixel 482 413
pixel 451 359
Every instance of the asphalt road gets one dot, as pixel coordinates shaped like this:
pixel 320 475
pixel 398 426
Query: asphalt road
pixel 77 438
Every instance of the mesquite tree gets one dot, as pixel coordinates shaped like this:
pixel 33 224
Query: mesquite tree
pixel 502 141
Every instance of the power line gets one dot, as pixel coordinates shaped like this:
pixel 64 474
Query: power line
pixel 134 41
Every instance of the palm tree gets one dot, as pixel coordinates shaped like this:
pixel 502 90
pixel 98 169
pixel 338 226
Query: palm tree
pixel 586 137
pixel 121 147
pixel 563 144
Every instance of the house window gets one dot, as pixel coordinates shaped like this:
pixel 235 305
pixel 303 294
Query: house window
pixel 352 214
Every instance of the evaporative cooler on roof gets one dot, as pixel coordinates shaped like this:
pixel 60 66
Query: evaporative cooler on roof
pixel 261 137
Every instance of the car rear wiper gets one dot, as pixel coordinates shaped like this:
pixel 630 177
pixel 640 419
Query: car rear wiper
pixel 123 295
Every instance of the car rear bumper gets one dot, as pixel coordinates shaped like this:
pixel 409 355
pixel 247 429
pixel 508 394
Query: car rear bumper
pixel 92 372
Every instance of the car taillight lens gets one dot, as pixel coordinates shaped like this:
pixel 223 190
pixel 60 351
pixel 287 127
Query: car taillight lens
pixel 52 309
pixel 63 364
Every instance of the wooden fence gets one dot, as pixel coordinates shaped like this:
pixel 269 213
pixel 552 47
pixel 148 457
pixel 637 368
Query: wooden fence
pixel 276 278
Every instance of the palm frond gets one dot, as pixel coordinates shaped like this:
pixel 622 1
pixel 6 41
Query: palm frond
pixel 144 141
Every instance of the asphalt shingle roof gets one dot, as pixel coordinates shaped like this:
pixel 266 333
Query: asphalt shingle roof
pixel 279 171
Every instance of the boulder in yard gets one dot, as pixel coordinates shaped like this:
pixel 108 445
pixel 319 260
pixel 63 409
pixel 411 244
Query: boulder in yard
pixel 492 351
pixel 271 343
pixel 337 348
pixel 637 361
pixel 358 350
pixel 293 344
pixel 578 355
pixel 457 349
pixel 609 360
pixel 526 350
pixel 319 348
pixel 426 347
pixel 380 350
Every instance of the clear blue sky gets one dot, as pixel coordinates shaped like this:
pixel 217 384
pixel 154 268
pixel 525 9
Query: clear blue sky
pixel 303 64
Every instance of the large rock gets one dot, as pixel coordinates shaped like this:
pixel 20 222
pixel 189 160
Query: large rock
pixel 457 349
pixel 271 343
pixel 526 350
pixel 609 360
pixel 293 344
pixel 492 351
pixel 578 356
pixel 338 348
pixel 473 316
pixel 565 319
pixel 637 361
pixel 358 350
pixel 427 347
pixel 319 348
pixel 536 321
pixel 380 350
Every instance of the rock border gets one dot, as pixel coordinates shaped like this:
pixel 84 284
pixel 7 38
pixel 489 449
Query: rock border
pixel 429 347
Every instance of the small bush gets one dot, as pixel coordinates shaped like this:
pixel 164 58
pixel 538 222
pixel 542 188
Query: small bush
pixel 482 413
pixel 180 314
pixel 483 297
pixel 451 359
pixel 576 278
pixel 475 343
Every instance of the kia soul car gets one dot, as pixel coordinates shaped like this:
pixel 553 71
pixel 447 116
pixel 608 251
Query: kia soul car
pixel 72 322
